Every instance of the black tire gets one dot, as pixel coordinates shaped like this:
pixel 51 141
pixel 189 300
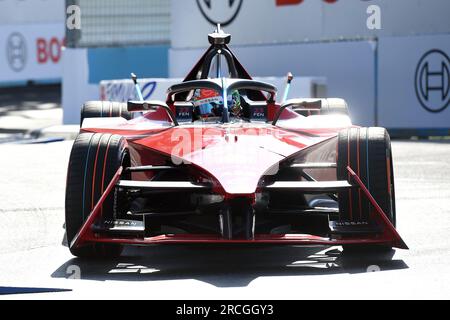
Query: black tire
pixel 94 160
pixel 370 155
pixel 104 109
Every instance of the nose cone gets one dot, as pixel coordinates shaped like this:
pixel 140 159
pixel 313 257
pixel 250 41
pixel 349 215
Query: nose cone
pixel 236 156
pixel 237 165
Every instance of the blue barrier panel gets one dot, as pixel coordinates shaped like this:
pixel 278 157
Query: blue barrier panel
pixel 117 63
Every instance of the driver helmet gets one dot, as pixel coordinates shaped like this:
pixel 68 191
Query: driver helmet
pixel 209 103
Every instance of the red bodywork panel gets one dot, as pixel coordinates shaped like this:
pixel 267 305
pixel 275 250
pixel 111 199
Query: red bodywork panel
pixel 236 157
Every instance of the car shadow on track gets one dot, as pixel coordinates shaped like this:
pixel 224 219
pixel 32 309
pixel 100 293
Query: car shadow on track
pixel 226 266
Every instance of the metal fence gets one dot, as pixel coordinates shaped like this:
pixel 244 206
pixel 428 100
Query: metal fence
pixel 106 23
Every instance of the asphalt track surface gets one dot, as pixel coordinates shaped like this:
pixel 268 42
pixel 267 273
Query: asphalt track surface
pixel 34 259
pixel 25 109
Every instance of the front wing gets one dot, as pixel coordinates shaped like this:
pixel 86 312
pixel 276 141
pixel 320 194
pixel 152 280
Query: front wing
pixel 388 236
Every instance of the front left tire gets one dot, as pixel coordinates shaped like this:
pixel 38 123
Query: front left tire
pixel 94 160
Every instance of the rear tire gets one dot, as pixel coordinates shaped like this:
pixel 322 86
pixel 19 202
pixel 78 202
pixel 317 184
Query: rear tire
pixel 334 106
pixel 368 152
pixel 104 109
pixel 94 160
pixel 330 106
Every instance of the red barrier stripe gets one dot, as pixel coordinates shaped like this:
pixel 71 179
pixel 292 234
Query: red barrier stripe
pixel 95 171
pixel 348 161
pixel 388 165
pixel 337 161
pixel 104 170
pixel 359 173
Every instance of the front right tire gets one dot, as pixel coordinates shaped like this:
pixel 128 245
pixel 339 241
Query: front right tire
pixel 368 152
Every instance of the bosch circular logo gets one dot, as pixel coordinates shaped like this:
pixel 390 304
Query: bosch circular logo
pixel 16 51
pixel 220 11
pixel 433 81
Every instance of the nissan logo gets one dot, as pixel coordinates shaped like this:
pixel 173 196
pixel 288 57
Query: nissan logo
pixel 16 51
pixel 221 12
pixel 433 81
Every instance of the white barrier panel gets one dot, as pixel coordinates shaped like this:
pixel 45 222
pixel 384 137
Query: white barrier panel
pixel 348 67
pixel 155 89
pixel 31 11
pixel 414 82
pixel 124 90
pixel 30 52
pixel 286 21
pixel 76 88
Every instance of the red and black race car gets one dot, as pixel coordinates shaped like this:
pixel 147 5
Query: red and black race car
pixel 221 161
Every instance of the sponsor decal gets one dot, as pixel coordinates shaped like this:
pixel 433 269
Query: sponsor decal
pixel 432 81
pixel 224 12
pixel 120 223
pixel 148 89
pixel 220 11
pixel 351 223
pixel 123 92
pixel 16 51
pixel 49 50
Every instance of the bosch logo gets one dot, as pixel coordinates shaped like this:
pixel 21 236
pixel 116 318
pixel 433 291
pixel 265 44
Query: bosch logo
pixel 433 81
pixel 220 11
pixel 16 51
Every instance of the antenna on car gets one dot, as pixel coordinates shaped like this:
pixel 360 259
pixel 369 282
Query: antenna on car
pixel 219 38
pixel 289 79
pixel 137 87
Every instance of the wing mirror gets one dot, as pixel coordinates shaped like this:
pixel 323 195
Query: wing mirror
pixel 139 106
pixel 151 105
pixel 303 104
pixel 298 105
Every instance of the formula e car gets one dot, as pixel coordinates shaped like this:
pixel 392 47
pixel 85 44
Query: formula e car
pixel 221 161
